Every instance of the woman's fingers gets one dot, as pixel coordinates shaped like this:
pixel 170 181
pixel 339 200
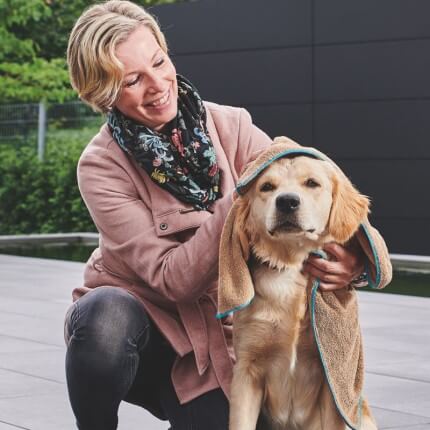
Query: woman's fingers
pixel 337 273
pixel 327 266
pixel 352 259
pixel 336 250
pixel 331 287
pixel 329 274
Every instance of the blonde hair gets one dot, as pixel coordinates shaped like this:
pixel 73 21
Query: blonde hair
pixel 95 71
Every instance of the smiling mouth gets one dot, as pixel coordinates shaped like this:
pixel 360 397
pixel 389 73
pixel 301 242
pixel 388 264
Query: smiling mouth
pixel 161 102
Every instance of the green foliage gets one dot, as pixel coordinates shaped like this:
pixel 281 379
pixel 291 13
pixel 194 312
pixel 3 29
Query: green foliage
pixel 51 32
pixel 16 15
pixel 33 43
pixel 43 197
pixel 25 77
pixel 13 47
pixel 37 80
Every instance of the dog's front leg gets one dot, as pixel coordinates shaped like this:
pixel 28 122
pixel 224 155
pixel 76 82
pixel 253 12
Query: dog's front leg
pixel 245 400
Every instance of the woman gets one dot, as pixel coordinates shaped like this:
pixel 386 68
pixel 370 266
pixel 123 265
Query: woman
pixel 157 180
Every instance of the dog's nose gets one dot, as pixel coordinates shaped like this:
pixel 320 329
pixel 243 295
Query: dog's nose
pixel 288 202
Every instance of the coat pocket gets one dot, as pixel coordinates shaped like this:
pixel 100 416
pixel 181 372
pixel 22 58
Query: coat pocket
pixel 179 220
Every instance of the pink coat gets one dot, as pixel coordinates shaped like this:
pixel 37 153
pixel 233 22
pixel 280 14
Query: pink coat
pixel 165 252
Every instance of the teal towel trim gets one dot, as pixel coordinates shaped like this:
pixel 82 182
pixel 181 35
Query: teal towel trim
pixel 233 310
pixel 372 284
pixel 250 178
pixel 315 286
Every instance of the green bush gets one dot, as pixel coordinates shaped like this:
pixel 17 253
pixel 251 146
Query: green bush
pixel 43 197
pixel 36 80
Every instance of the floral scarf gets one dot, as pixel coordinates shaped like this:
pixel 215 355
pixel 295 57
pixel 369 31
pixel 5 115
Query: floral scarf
pixel 183 160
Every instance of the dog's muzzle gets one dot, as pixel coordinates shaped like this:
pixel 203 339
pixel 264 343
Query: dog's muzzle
pixel 286 205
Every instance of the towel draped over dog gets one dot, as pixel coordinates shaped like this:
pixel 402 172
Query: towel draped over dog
pixel 334 315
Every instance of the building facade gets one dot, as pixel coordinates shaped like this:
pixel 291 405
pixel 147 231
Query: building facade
pixel 351 78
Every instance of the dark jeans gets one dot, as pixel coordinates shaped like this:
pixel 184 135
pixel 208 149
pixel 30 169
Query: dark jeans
pixel 114 353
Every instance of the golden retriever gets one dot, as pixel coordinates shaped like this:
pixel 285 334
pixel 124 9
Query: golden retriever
pixel 295 206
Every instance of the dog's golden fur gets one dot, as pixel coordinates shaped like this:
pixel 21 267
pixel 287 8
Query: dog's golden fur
pixel 278 368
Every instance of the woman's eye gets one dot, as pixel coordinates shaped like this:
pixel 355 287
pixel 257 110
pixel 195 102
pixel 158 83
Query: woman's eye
pixel 312 183
pixel 131 83
pixel 267 186
pixel 159 62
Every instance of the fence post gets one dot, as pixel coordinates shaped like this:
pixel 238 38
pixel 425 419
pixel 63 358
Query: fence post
pixel 41 135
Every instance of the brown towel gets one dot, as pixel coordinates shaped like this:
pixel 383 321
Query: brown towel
pixel 334 314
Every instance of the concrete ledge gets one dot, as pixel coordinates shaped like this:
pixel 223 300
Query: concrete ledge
pixel 411 263
pixel 54 239
pixel 405 262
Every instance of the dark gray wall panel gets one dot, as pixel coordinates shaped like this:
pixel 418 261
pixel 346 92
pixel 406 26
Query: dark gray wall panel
pixel 220 25
pixel 294 121
pixel 252 77
pixel 396 188
pixel 405 235
pixel 341 21
pixel 367 92
pixel 394 129
pixel 373 71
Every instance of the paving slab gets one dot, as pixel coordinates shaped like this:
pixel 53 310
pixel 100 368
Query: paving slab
pixel 417 427
pixel 47 364
pixel 398 394
pixel 5 426
pixel 34 297
pixel 35 294
pixel 388 419
pixel 15 345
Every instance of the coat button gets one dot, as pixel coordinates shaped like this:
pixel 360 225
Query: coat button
pixel 163 226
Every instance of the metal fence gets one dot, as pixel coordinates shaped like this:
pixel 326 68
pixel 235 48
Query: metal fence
pixel 30 122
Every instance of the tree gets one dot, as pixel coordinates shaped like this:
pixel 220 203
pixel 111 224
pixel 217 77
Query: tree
pixel 24 76
pixel 33 42
pixel 51 32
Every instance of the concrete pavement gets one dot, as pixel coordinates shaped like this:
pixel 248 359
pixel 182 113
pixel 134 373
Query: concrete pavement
pixel 35 293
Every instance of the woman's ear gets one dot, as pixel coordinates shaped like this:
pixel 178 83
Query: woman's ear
pixel 349 208
pixel 239 229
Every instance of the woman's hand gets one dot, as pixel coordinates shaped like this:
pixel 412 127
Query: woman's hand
pixel 345 265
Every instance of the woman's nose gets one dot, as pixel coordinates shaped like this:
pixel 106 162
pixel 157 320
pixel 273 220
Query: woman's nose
pixel 155 82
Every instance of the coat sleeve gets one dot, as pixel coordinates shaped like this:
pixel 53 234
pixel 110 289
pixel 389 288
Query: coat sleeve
pixel 181 272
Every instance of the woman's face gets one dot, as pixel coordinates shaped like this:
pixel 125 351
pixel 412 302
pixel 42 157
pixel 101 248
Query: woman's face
pixel 150 91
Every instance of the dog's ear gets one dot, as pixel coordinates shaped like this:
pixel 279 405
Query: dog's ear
pixel 239 229
pixel 235 286
pixel 349 208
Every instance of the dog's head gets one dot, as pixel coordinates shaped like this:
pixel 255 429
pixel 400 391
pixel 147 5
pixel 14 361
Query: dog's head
pixel 297 204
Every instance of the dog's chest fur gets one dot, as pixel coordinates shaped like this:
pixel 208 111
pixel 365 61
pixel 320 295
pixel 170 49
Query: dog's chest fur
pixel 273 339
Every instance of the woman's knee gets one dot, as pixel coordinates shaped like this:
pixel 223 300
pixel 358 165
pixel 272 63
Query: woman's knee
pixel 103 354
pixel 109 319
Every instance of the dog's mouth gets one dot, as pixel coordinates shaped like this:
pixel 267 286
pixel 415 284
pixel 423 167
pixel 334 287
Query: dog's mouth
pixel 289 226
pixel 286 226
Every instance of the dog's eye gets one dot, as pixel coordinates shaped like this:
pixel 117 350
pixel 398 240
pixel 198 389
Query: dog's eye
pixel 312 183
pixel 267 186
